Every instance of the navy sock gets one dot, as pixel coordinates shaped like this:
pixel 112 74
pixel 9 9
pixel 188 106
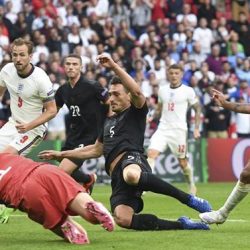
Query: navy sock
pixel 145 222
pixel 150 182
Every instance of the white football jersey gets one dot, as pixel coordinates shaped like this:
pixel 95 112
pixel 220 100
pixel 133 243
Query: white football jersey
pixel 28 94
pixel 175 103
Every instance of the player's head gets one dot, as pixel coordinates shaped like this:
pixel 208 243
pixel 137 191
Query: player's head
pixel 72 65
pixel 119 96
pixel 174 74
pixel 21 52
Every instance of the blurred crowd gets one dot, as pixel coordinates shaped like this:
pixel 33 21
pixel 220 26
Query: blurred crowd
pixel 209 38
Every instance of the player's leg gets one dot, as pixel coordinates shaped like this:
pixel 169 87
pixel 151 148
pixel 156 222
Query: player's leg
pixel 188 174
pixel 71 231
pixel 158 144
pixel 92 211
pixel 137 172
pixel 152 155
pixel 126 217
pixel 72 168
pixel 240 191
pixel 178 146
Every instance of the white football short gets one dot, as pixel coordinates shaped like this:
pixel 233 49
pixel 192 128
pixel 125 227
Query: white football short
pixel 23 143
pixel 175 139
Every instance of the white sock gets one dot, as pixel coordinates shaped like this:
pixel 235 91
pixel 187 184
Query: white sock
pixel 189 175
pixel 151 162
pixel 239 192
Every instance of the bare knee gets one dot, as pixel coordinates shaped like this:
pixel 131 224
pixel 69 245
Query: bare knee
pixel 123 217
pixel 152 153
pixel 183 162
pixel 131 174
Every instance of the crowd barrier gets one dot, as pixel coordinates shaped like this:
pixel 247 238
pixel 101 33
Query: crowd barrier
pixel 214 160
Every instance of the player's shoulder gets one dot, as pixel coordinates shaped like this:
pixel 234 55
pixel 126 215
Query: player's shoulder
pixel 88 82
pixel 39 72
pixel 8 67
pixel 187 88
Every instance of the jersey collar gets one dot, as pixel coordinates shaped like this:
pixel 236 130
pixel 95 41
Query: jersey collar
pixel 27 75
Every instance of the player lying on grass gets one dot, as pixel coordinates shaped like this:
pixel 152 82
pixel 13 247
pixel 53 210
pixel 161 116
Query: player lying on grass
pixel 49 196
pixel 122 145
pixel 242 187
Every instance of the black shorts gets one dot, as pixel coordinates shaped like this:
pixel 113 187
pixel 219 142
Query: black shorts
pixel 122 193
pixel 78 162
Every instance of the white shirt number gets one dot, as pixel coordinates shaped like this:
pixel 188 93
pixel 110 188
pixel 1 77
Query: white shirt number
pixel 111 131
pixel 75 110
pixel 4 172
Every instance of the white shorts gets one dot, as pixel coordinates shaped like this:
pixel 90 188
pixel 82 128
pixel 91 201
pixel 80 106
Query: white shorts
pixel 175 139
pixel 23 143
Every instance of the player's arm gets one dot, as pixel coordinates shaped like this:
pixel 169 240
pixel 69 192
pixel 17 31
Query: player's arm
pixel 2 90
pixel 137 98
pixel 197 109
pixel 50 111
pixel 158 110
pixel 220 99
pixel 87 152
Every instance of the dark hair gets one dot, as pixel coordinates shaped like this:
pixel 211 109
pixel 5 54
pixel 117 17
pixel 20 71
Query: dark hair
pixel 175 66
pixel 117 80
pixel 20 42
pixel 74 56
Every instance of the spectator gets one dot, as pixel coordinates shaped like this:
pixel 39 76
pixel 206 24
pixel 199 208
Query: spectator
pixel 204 35
pixel 186 17
pixel 119 12
pixel 243 73
pixel 206 10
pixel 197 54
pixel 214 60
pixel 54 42
pixel 41 48
pixel 174 7
pixel 217 121
pixel 141 15
pixel 242 122
pixel 159 9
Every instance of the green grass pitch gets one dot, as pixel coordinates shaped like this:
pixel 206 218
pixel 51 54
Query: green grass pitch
pixel 23 234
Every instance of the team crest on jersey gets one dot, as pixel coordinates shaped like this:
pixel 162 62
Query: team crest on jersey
pixel 20 88
pixel 171 94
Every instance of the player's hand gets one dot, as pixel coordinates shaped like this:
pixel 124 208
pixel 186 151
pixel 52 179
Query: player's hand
pixel 105 60
pixel 22 127
pixel 50 155
pixel 197 133
pixel 218 97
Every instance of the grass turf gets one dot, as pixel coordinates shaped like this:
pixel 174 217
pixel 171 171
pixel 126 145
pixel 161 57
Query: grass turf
pixel 21 233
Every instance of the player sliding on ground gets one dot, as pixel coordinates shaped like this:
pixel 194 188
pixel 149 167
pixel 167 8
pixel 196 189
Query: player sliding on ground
pixel 121 142
pixel 49 196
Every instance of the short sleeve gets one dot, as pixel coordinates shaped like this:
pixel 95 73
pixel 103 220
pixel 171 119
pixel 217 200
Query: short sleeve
pixel 46 91
pixel 2 83
pixel 59 98
pixel 192 98
pixel 101 93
